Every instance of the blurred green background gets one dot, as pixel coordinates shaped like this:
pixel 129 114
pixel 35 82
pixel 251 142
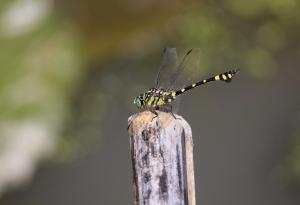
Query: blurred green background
pixel 70 71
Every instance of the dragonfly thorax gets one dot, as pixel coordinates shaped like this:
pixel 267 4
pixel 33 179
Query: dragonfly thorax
pixel 154 98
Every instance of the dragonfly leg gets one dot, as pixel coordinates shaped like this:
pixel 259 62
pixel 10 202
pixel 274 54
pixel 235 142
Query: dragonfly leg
pixel 174 115
pixel 170 110
pixel 154 112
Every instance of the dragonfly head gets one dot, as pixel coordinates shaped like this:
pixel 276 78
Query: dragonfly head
pixel 139 101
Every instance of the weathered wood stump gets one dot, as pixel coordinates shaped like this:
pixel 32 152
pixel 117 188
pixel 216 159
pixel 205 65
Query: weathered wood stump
pixel 162 159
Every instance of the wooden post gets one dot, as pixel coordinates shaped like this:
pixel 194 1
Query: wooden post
pixel 162 159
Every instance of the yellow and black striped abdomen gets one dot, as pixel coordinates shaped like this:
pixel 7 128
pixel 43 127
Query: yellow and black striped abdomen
pixel 227 76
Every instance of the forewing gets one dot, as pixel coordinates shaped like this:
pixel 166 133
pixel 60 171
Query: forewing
pixel 167 69
pixel 189 70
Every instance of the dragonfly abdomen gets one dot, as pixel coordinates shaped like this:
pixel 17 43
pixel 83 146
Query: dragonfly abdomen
pixel 155 98
pixel 227 76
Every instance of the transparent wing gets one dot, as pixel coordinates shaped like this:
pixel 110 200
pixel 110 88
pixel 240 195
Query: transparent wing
pixel 167 69
pixel 189 70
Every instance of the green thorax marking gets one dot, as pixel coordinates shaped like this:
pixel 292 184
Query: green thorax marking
pixel 157 97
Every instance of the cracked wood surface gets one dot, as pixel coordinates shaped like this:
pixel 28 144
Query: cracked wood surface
pixel 162 159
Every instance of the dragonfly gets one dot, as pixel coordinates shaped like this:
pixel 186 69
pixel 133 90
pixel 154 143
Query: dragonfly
pixel 172 78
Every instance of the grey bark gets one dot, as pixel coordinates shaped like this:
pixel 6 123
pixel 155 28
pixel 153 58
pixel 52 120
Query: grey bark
pixel 162 159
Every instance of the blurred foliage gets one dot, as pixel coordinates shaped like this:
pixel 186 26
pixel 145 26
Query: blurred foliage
pixel 39 69
pixel 252 34
pixel 113 26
